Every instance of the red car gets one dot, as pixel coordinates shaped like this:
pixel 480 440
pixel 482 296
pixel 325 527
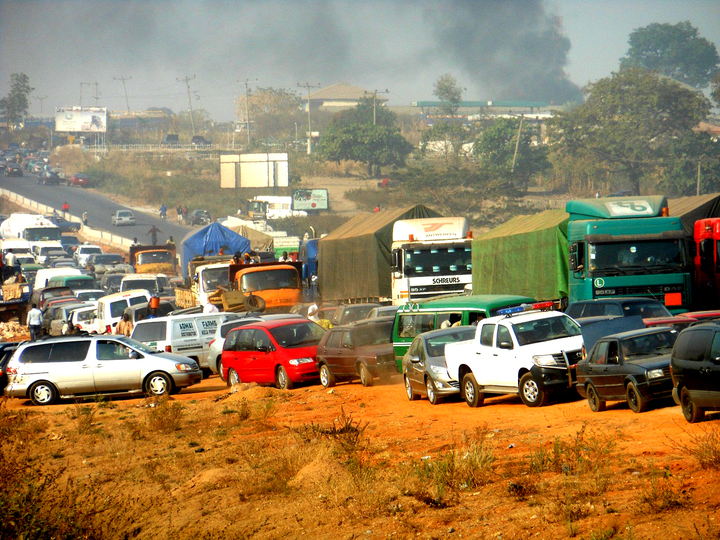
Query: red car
pixel 280 352
pixel 78 179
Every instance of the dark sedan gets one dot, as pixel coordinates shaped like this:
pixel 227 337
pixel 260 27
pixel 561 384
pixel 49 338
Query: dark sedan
pixel 631 366
pixel 64 225
pixel 13 169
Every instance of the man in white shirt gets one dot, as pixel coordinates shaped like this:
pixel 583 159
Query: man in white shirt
pixel 34 322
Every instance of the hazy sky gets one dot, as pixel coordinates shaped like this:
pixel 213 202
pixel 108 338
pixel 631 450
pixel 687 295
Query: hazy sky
pixel 497 49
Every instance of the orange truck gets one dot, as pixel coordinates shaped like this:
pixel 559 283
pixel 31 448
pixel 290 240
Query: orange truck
pixel 277 284
pixel 159 259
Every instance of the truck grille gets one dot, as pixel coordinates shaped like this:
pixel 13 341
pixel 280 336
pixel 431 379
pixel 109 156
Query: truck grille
pixel 573 357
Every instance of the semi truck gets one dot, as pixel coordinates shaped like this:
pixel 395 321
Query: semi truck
pixel 613 246
pixel 31 227
pixel 430 257
pixel 159 259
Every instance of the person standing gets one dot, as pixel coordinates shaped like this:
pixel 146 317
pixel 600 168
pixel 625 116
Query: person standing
pixel 66 207
pixel 285 257
pixel 34 322
pixel 152 233
pixel 85 219
pixel 124 327
pixel 179 211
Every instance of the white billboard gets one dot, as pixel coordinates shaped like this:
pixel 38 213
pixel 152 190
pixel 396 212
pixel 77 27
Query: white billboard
pixel 254 170
pixel 81 119
pixel 310 199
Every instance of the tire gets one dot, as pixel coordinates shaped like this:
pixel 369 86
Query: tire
pixel 220 369
pixel 206 372
pixel 327 379
pixel 412 396
pixel 594 401
pixel 282 381
pixel 431 391
pixel 233 378
pixel 366 377
pixel 42 393
pixel 471 392
pixel 691 412
pixel 531 393
pixel 636 402
pixel 254 303
pixel 158 384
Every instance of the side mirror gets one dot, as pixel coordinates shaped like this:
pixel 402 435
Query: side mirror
pixel 506 345
pixel 414 359
pixel 716 360
pixel 265 348
pixel 347 346
pixel 573 261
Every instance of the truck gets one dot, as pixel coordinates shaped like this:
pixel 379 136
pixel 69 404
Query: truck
pixel 31 227
pixel 597 248
pixel 523 350
pixel 706 239
pixel 430 257
pixel 154 259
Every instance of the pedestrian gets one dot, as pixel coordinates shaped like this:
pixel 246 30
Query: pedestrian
pixel 125 326
pixel 65 207
pixel 135 242
pixel 170 242
pixel 85 219
pixel 597 194
pixel 179 211
pixel 10 259
pixel 185 213
pixel 284 257
pixel 237 258
pixel 377 208
pixel 152 233
pixel 34 321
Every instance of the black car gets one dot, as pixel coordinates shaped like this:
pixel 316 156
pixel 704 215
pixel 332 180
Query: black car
pixel 632 366
pixel 695 364
pixel 199 140
pixel 617 307
pixel 69 243
pixel 64 225
pixel 13 169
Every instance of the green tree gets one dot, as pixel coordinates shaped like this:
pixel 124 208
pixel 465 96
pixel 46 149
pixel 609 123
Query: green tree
pixel 273 112
pixel 449 138
pixel 715 93
pixel 675 50
pixel 15 105
pixel 374 146
pixel 691 156
pixel 628 121
pixel 447 90
pixel 367 111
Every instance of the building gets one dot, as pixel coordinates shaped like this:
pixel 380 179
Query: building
pixel 340 96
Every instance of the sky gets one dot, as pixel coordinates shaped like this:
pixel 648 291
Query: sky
pixel 532 50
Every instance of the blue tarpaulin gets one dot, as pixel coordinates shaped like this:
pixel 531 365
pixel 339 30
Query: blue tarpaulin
pixel 208 241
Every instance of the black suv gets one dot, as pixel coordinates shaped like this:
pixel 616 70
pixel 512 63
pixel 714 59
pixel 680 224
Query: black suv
pixel 695 367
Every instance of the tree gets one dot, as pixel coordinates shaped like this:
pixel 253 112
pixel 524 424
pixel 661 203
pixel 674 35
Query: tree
pixel 367 111
pixel 628 121
pixel 15 105
pixel 695 154
pixel 447 90
pixel 673 50
pixel 716 88
pixel 449 138
pixel 374 146
pixel 273 111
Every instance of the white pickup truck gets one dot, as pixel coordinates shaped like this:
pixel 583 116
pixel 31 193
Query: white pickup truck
pixel 528 353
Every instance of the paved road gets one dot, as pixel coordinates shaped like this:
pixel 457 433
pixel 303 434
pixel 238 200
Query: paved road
pixel 98 207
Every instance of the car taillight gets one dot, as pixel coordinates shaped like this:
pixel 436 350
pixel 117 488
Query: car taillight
pixel 11 371
pixel 168 348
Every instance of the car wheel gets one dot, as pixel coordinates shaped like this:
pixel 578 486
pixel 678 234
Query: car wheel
pixel 366 377
pixel 233 378
pixel 412 396
pixel 596 404
pixel 635 400
pixel 282 381
pixel 691 412
pixel 431 391
pixel 326 376
pixel 42 393
pixel 220 368
pixel 471 392
pixel 206 372
pixel 158 384
pixel 531 393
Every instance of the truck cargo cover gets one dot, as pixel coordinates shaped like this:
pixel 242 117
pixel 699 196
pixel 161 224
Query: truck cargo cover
pixel 500 263
pixel 259 241
pixel 690 209
pixel 354 259
pixel 209 240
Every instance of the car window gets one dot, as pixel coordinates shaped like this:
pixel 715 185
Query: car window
pixel 245 340
pixel 117 308
pixel 333 340
pixel 715 349
pixel 69 351
pixel 150 331
pixel 298 335
pixel 503 334
pixel 415 347
pixel 692 346
pixel 599 355
pixel 346 341
pixel 486 335
pixel 261 341
pixel 230 341
pixel 112 350
pixel 412 325
pixel 35 354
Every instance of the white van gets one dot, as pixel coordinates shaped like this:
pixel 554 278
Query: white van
pixel 155 283
pixel 189 335
pixel 42 249
pixel 17 247
pixel 44 274
pixel 110 308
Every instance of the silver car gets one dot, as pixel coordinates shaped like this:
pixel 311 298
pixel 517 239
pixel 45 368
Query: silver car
pixel 123 217
pixel 424 370
pixel 75 366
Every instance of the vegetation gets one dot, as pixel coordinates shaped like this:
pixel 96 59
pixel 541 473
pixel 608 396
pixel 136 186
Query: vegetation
pixel 14 106
pixel 446 89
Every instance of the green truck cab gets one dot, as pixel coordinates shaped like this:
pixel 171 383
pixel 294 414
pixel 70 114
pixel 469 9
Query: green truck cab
pixel 627 246
pixel 462 310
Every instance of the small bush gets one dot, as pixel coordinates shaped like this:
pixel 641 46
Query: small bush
pixel 664 492
pixel 83 415
pixel 704 447
pixel 576 455
pixel 164 416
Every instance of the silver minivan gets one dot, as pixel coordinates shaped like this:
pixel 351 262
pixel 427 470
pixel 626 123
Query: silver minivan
pixel 75 366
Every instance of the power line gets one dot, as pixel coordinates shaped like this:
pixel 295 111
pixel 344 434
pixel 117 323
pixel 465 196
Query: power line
pixel 123 79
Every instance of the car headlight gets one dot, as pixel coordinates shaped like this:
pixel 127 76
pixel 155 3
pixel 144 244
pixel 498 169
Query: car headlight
pixel 543 360
pixel 654 373
pixel 438 370
pixel 183 367
pixel 298 361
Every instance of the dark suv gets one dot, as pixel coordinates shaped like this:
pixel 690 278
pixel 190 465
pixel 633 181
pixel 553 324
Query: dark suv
pixel 617 307
pixel 695 367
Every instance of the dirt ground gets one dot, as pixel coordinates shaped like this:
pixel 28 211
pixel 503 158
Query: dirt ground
pixel 337 187
pixel 414 471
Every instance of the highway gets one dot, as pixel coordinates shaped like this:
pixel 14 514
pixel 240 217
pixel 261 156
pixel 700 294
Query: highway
pixel 99 208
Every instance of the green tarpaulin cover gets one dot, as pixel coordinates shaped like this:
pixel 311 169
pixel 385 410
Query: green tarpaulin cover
pixel 527 255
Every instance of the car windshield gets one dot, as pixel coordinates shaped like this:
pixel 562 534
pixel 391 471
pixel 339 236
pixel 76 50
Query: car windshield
pixel 147 284
pixel 270 279
pixel 90 250
pixel 646 309
pixel 436 344
pixel 214 277
pixel 154 257
pixel 628 257
pixel 108 258
pixel 39 234
pixel 546 329
pixel 373 334
pixel 298 335
pixel 649 344
pixel 137 345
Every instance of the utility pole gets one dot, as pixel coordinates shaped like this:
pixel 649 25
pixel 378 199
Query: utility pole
pixel 375 93
pixel 123 79
pixel 187 80
pixel 517 143
pixel 308 86
pixel 96 97
pixel 81 90
pixel 247 107
pixel 40 99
